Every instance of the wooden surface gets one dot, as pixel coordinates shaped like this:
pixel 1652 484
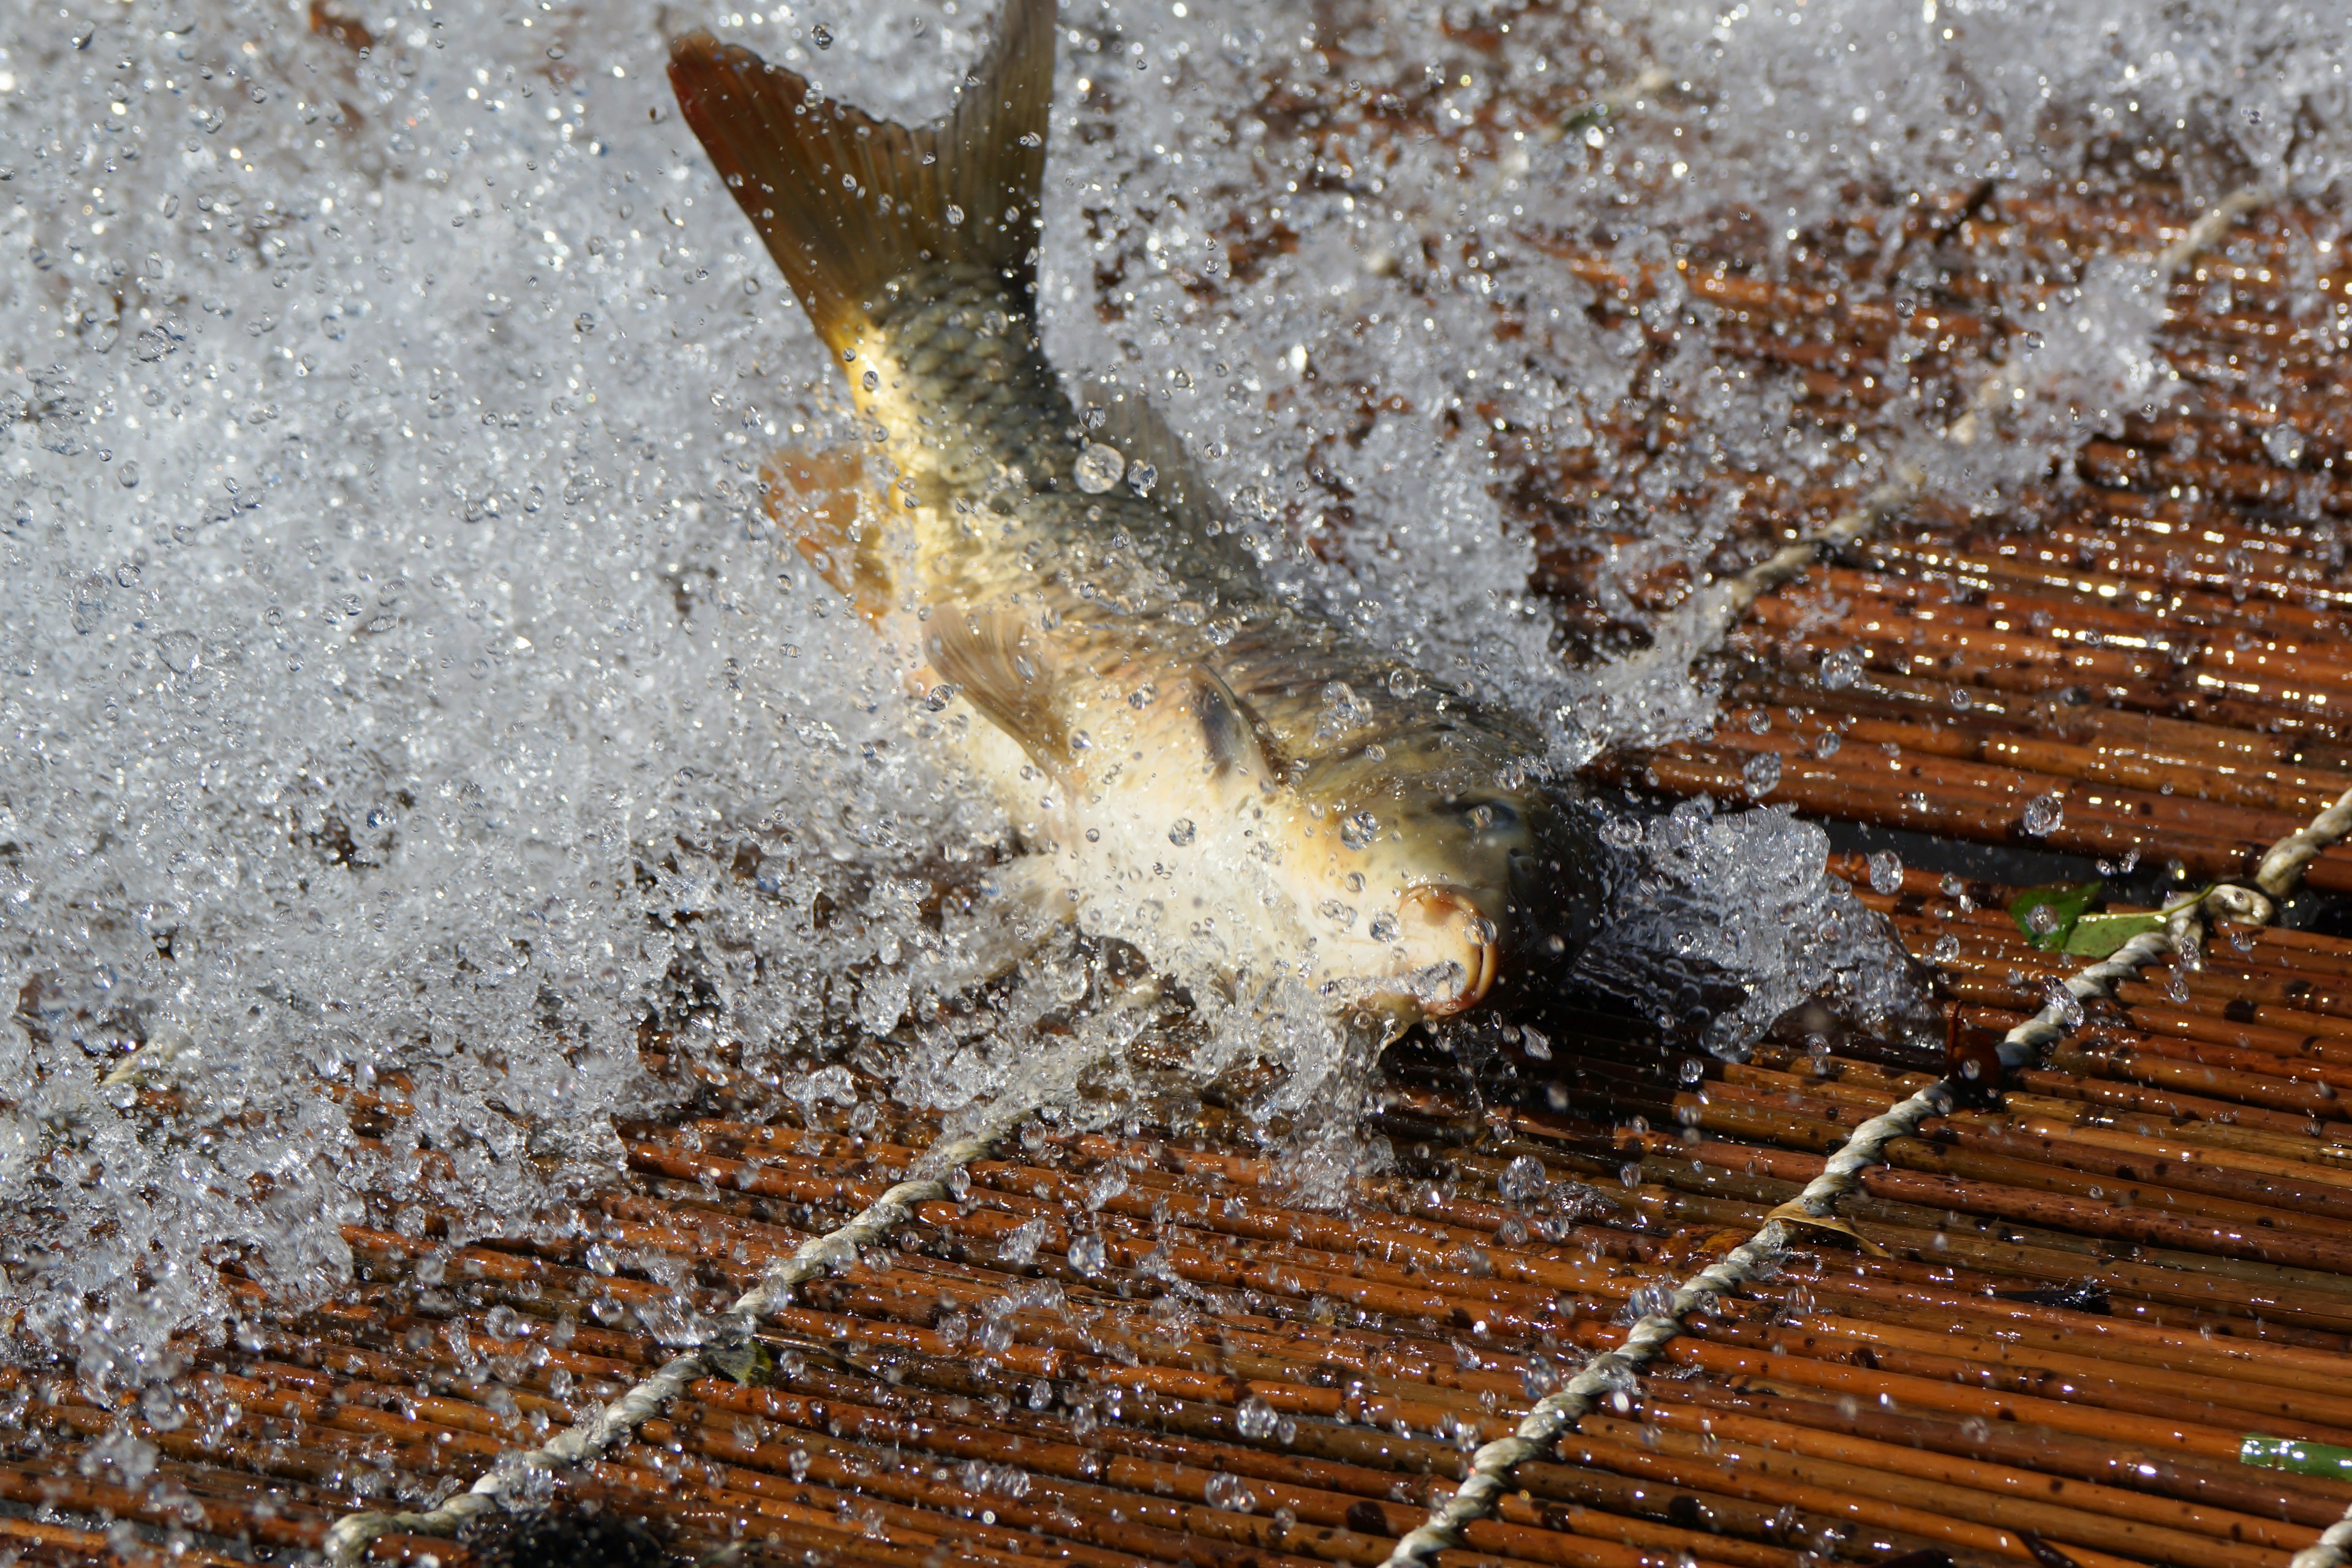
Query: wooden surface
pixel 2073 1306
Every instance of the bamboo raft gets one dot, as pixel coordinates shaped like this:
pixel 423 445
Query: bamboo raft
pixel 2062 1320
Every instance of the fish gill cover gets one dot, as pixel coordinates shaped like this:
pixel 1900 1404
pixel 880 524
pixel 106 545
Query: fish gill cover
pixel 404 695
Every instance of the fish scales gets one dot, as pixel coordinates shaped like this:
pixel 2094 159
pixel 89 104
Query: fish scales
pixel 1234 783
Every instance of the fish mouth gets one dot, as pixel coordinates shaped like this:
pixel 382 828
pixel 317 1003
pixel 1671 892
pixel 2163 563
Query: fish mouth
pixel 1452 917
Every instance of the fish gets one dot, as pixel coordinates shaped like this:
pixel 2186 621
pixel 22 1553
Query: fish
pixel 1242 789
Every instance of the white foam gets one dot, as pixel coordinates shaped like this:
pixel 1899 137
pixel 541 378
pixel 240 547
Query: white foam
pixel 394 680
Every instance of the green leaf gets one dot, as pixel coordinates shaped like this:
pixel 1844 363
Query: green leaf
pixel 2293 1454
pixel 2067 905
pixel 2096 936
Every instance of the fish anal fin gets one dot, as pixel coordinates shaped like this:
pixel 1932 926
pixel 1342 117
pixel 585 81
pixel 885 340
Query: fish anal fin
pixel 1004 670
pixel 813 495
pixel 1142 436
pixel 848 203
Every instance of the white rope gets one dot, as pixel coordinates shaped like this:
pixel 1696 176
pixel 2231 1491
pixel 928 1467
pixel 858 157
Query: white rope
pixel 2279 869
pixel 2210 226
pixel 347 1541
pixel 2283 865
pixel 2333 1549
pixel 1704 620
pixel 1493 1465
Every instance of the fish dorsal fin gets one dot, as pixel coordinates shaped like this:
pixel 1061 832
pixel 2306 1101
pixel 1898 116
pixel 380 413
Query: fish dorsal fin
pixel 848 203
pixel 1142 436
pixel 1002 669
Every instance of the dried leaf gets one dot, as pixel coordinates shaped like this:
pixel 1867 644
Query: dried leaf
pixel 1796 1214
pixel 742 1359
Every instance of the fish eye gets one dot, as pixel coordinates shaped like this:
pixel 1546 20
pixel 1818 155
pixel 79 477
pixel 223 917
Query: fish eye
pixel 1486 816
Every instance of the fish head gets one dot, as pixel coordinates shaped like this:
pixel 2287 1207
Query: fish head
pixel 1441 867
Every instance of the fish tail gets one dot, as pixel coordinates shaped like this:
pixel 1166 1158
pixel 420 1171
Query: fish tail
pixel 848 203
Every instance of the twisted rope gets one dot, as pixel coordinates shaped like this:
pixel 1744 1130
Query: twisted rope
pixel 1711 613
pixel 1493 1465
pixel 347 1541
pixel 2333 1548
pixel 2280 867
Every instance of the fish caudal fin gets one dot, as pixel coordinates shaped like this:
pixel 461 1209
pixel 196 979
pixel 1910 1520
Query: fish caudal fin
pixel 848 203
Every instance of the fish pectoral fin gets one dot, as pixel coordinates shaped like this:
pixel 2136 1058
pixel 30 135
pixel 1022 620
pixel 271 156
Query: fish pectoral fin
pixel 813 497
pixel 1004 669
pixel 1227 737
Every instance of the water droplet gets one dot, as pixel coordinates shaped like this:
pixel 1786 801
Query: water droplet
pixel 1255 503
pixel 1761 774
pixel 1256 1419
pixel 955 214
pixel 1384 928
pixel 2284 444
pixel 179 650
pixel 1098 468
pixel 1403 681
pixel 2043 813
pixel 1181 834
pixel 1143 476
pixel 1841 668
pixel 1535 1044
pixel 2063 1005
pixel 1886 873
pixel 821 36
pixel 1359 830
pixel 1230 1492
pixel 1087 1253
pixel 1523 1181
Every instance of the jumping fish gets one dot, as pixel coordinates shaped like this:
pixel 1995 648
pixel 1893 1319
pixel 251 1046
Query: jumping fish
pixel 1232 782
